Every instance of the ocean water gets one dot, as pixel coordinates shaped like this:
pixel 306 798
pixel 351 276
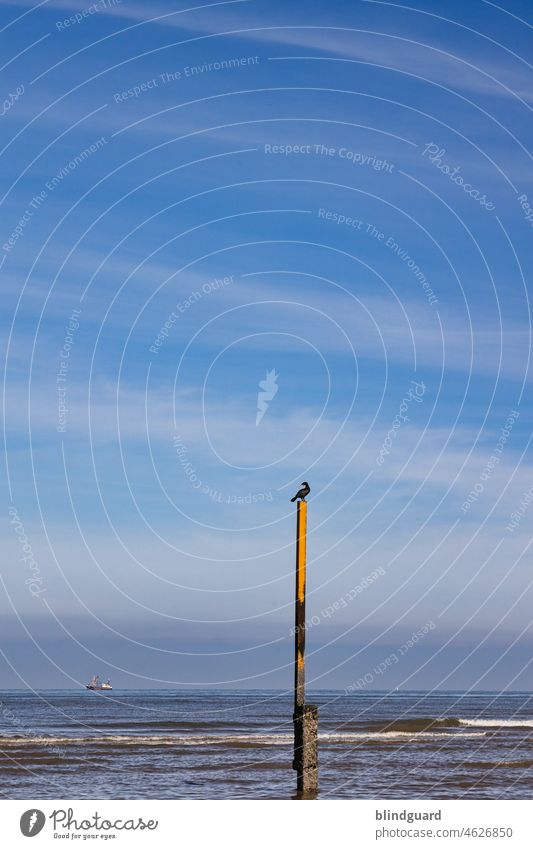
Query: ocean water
pixel 165 744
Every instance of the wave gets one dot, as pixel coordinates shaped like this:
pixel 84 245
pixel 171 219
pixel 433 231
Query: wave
pixel 497 723
pixel 417 724
pixel 223 739
pixel 490 765
pixel 391 734
pixel 172 724
pixel 419 728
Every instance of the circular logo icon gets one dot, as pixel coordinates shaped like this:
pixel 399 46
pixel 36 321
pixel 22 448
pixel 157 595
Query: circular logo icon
pixel 32 822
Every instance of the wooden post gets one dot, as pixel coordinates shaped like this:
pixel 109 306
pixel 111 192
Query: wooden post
pixel 299 617
pixel 305 717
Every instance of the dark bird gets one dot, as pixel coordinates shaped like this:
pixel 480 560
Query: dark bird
pixel 305 490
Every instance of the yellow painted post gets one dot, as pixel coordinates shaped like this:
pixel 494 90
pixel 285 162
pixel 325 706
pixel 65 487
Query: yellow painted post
pixel 305 717
pixel 299 618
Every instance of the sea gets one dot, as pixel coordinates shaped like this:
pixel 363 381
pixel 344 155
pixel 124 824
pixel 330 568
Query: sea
pixel 216 744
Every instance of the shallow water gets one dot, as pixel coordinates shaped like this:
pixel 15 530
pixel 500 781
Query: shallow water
pixel 238 744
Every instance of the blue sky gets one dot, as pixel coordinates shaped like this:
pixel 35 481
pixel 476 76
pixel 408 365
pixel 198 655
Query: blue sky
pixel 192 199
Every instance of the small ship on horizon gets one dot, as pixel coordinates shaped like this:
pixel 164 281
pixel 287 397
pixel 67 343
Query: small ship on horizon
pixel 96 684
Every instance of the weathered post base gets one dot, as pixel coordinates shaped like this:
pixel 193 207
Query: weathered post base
pixel 306 750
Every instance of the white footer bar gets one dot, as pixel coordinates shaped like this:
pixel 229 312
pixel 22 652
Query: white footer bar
pixel 253 824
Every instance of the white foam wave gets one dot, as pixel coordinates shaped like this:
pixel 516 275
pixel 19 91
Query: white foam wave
pixel 413 735
pixel 497 723
pixel 223 739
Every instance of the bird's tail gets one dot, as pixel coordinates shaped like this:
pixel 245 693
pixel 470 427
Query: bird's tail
pixel 293 499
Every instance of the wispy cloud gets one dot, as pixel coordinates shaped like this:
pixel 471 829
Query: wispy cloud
pixel 436 61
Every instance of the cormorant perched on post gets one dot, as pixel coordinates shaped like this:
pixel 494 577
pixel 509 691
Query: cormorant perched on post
pixel 305 490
